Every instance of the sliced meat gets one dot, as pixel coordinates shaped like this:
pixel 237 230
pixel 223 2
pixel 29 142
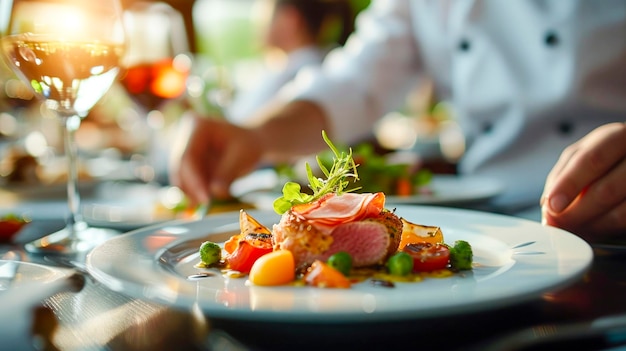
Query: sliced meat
pixel 333 210
pixel 394 225
pixel 368 241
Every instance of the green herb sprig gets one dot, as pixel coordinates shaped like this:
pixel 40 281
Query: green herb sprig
pixel 336 181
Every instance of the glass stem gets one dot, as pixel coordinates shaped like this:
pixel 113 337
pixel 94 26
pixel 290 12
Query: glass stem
pixel 70 126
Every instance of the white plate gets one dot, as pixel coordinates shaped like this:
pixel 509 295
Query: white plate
pixel 127 206
pixel 50 191
pixel 452 190
pixel 31 273
pixel 516 260
pixel 123 216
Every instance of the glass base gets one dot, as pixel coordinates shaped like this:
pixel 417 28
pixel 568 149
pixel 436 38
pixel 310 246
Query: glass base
pixel 78 240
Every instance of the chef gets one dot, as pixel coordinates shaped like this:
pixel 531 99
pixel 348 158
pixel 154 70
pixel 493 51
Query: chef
pixel 527 78
pixel 296 29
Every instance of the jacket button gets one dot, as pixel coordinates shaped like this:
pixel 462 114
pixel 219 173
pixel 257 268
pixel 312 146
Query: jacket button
pixel 551 38
pixel 464 45
pixel 487 127
pixel 565 128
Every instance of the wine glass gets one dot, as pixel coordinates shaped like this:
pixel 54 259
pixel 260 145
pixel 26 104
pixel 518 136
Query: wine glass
pixel 69 52
pixel 155 67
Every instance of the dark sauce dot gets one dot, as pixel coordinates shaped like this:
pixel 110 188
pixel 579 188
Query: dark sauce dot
pixel 383 283
pixel 200 276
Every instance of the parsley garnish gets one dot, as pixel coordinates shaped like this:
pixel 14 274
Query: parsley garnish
pixel 336 181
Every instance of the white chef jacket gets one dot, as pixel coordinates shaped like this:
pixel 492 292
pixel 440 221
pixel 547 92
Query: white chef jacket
pixel 266 88
pixel 526 78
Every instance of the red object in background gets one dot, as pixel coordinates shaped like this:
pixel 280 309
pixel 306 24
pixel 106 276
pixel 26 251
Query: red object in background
pixel 9 227
pixel 151 84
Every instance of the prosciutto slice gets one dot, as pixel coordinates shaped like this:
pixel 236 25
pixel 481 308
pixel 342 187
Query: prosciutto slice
pixel 333 210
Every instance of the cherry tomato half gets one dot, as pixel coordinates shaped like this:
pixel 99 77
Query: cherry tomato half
pixel 244 251
pixel 428 257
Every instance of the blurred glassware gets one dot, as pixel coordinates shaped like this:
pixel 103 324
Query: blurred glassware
pixel 16 98
pixel 68 51
pixel 155 70
pixel 209 87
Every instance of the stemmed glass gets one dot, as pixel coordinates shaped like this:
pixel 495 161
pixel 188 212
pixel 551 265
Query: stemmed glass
pixel 155 67
pixel 69 52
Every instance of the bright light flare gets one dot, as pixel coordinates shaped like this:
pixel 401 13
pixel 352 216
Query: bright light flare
pixel 8 124
pixel 71 20
pixel 36 144
pixel 64 22
pixel 396 131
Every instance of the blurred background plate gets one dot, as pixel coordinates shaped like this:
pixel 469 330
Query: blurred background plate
pixel 49 191
pixel 28 273
pixel 452 190
pixel 126 206
pixel 444 189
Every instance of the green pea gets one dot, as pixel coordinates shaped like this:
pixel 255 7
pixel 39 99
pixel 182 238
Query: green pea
pixel 400 264
pixel 341 261
pixel 461 255
pixel 210 253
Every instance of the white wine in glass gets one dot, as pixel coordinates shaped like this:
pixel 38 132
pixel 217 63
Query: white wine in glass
pixel 69 52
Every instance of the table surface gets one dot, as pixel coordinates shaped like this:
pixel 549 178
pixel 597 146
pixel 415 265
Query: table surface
pixel 96 318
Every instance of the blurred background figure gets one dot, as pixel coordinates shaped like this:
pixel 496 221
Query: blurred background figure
pixel 293 34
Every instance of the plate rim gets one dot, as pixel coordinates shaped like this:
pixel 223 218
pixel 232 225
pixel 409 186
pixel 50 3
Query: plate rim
pixel 49 191
pixel 53 273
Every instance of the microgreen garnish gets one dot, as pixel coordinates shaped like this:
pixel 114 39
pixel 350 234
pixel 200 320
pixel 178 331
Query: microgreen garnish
pixel 336 180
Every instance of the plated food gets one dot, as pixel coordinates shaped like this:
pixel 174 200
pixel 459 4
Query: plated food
pixel 334 237
pixel 514 260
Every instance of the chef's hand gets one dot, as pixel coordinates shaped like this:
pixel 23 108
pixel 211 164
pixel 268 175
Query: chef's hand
pixel 585 192
pixel 209 155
